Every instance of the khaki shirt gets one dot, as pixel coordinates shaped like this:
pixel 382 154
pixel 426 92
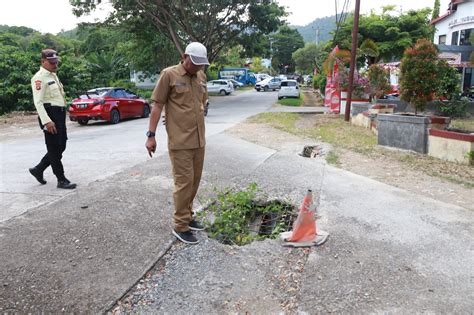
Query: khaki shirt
pixel 46 89
pixel 183 97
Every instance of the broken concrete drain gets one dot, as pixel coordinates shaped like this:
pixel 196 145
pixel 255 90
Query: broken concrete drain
pixel 312 151
pixel 241 217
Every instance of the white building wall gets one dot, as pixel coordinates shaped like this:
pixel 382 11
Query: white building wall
pixel 462 19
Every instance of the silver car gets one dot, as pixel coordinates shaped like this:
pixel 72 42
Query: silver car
pixel 289 88
pixel 222 87
pixel 268 84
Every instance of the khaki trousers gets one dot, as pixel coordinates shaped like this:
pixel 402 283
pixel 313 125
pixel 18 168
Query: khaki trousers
pixel 187 169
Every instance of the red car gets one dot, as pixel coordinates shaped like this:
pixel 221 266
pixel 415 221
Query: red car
pixel 108 103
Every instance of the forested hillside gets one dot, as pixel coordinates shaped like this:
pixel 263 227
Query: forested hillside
pixel 325 25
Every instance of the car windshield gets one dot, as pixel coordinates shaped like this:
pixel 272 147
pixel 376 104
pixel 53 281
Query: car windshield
pixel 97 92
pixel 288 83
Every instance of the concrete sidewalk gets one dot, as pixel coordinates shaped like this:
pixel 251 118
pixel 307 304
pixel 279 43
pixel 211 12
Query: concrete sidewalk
pixel 389 250
pixel 83 252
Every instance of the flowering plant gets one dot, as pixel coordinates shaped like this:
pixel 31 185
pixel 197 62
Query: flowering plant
pixel 360 83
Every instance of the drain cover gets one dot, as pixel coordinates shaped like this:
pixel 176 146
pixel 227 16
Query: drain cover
pixel 311 151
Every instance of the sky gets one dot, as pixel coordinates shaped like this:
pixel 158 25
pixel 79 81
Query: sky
pixel 52 16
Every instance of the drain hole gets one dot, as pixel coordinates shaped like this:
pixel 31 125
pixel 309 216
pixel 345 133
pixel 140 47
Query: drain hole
pixel 312 151
pixel 239 218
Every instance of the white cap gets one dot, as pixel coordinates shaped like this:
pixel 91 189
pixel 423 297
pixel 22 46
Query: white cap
pixel 198 53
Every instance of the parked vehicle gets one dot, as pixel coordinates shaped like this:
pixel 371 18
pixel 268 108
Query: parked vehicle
pixel 289 88
pixel 272 83
pixel 243 75
pixel 236 83
pixel 223 87
pixel 262 76
pixel 107 103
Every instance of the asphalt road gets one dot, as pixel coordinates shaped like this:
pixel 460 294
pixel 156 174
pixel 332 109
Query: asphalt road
pixel 100 150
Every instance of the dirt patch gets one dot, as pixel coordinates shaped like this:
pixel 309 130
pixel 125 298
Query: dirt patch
pixel 384 167
pixel 21 125
pixel 311 97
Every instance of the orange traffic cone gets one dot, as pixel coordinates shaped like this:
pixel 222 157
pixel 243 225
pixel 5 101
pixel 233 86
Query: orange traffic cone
pixel 304 228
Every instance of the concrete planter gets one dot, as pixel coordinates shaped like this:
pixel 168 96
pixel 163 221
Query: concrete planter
pixel 451 146
pixel 407 132
pixel 356 102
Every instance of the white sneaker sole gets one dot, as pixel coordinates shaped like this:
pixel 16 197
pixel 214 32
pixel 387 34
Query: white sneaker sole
pixel 183 240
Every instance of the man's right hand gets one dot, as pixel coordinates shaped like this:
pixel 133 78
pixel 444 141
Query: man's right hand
pixel 151 146
pixel 51 127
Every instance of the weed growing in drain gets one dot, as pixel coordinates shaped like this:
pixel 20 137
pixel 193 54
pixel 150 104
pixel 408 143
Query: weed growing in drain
pixel 240 217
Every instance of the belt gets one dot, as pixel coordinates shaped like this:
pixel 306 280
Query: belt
pixel 55 107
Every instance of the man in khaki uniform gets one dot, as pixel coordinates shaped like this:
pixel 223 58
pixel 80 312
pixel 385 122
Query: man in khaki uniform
pixel 182 92
pixel 48 96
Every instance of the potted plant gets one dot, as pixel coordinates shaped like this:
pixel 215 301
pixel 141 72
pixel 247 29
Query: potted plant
pixel 419 83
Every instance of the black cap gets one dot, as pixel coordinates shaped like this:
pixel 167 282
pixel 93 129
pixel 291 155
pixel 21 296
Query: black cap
pixel 50 55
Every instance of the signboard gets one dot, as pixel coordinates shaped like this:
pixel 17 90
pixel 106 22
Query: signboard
pixel 451 58
pixel 461 21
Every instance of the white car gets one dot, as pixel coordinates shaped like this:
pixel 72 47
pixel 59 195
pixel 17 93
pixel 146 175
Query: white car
pixel 289 88
pixel 223 87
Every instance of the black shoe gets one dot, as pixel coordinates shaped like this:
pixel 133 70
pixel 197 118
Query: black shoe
pixel 38 175
pixel 196 226
pixel 66 184
pixel 186 237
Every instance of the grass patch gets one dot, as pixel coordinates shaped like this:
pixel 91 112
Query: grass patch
pixel 281 121
pixel 332 158
pixel 292 101
pixel 463 123
pixel 343 135
pixel 330 129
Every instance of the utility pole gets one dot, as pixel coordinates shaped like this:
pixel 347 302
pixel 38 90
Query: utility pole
pixel 355 30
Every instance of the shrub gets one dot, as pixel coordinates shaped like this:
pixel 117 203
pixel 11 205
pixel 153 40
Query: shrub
pixel 378 81
pixel 319 82
pixel 452 108
pixel 419 70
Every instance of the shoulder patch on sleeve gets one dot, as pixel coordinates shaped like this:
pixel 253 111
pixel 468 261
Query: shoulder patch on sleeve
pixel 38 84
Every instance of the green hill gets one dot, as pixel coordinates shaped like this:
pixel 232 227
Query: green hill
pixel 326 25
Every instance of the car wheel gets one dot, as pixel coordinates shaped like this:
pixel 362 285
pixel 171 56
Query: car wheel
pixel 222 92
pixel 265 88
pixel 82 121
pixel 114 116
pixel 146 111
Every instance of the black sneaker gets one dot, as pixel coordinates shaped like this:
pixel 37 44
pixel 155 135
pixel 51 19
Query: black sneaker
pixel 38 175
pixel 186 237
pixel 196 226
pixel 66 184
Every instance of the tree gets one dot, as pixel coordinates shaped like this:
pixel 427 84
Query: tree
pixel 218 24
pixel 308 58
pixel 285 42
pixel 419 74
pixel 370 51
pixel 435 10
pixel 392 33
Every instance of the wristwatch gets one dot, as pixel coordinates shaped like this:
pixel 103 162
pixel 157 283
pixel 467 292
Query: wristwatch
pixel 150 134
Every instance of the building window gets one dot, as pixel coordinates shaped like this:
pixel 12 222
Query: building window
pixel 454 38
pixel 442 40
pixel 464 37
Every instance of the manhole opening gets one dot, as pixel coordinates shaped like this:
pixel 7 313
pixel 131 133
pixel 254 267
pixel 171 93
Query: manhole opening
pixel 241 217
pixel 312 151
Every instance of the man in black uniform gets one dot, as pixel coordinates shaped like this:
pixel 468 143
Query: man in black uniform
pixel 48 96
